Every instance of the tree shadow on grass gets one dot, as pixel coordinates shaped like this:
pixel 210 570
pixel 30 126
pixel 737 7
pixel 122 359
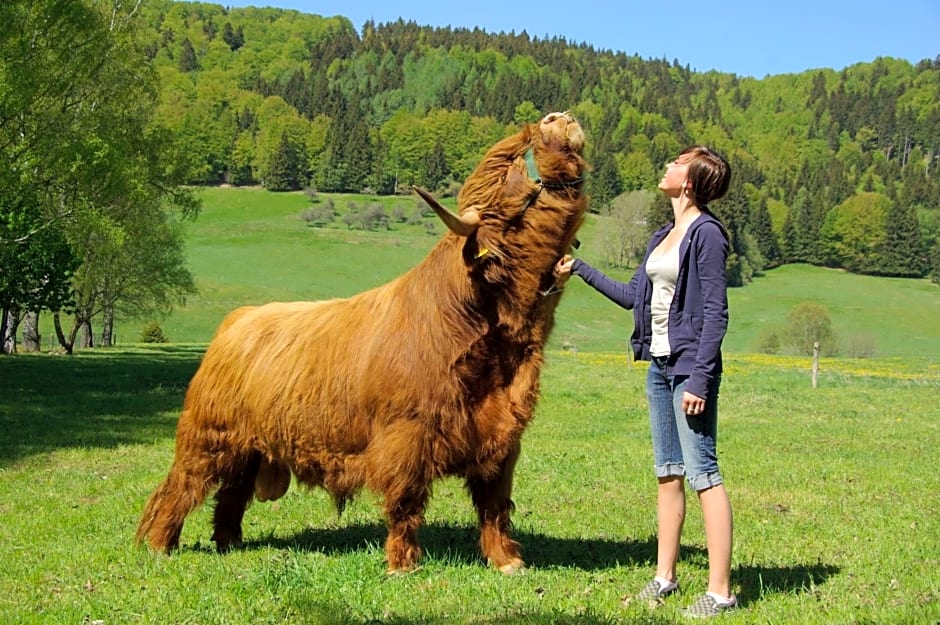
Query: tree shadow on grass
pixel 95 398
pixel 309 607
pixel 458 544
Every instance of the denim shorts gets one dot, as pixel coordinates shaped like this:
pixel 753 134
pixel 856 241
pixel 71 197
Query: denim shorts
pixel 682 444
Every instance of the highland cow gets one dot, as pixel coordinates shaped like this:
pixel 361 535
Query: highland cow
pixel 435 373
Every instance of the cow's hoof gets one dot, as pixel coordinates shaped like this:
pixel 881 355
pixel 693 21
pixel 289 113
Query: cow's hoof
pixel 225 546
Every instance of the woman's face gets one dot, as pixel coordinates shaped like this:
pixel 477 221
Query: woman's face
pixel 676 177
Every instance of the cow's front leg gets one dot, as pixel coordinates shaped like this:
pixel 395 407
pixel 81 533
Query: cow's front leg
pixel 404 514
pixel 492 498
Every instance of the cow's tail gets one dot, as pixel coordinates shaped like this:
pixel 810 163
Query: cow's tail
pixel 167 508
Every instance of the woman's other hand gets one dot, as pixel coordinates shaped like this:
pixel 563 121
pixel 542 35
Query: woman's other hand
pixel 692 404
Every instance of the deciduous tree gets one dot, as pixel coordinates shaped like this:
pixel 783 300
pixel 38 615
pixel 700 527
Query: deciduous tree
pixel 80 145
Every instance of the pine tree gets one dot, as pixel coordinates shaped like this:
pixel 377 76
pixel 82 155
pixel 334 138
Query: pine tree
pixel 762 229
pixel 436 169
pixel 659 214
pixel 902 250
pixel 935 263
pixel 234 38
pixel 733 212
pixel 604 183
pixel 188 61
pixel 788 243
pixel 283 171
pixel 801 235
pixel 357 156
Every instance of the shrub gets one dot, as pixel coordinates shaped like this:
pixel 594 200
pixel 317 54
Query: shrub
pixel 352 220
pixel 860 345
pixel 808 323
pixel 416 217
pixel 152 333
pixel 450 187
pixel 318 216
pixel 768 340
pixel 375 217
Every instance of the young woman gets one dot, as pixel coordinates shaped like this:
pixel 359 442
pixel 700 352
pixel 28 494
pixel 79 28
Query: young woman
pixel 680 308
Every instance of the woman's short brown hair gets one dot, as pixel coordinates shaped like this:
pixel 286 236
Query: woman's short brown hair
pixel 709 174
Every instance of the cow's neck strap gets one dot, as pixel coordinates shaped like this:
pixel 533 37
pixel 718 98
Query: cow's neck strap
pixel 532 168
pixel 533 171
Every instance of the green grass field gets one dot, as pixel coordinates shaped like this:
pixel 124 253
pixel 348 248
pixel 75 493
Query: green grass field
pixel 835 522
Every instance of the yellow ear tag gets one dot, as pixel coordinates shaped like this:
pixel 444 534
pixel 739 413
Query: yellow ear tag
pixel 482 252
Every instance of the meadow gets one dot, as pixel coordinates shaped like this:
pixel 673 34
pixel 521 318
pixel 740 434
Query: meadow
pixel 250 246
pixel 835 523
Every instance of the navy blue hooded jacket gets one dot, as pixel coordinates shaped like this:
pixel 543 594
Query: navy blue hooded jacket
pixel 698 316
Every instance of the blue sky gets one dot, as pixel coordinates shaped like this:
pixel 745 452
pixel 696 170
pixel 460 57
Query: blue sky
pixel 752 38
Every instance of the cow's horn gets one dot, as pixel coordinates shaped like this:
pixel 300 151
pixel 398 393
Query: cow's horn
pixel 461 225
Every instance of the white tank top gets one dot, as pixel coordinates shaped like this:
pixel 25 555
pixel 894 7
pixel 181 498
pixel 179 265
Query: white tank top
pixel 663 270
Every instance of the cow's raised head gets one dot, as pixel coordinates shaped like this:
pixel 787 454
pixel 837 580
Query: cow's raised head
pixel 521 207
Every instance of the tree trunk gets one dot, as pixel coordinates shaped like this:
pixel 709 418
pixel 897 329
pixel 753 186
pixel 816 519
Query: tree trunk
pixel 32 341
pixel 88 335
pixel 11 319
pixel 107 328
pixel 65 343
pixel 3 330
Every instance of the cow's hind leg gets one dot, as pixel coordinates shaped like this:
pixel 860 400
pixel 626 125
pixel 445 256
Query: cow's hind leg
pixel 203 459
pixel 492 499
pixel 231 500
pixel 167 508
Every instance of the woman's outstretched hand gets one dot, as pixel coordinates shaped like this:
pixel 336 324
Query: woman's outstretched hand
pixel 562 270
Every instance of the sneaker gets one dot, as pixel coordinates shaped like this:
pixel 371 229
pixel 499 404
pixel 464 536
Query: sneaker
pixel 653 593
pixel 707 606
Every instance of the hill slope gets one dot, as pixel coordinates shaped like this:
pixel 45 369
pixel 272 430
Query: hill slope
pixel 250 246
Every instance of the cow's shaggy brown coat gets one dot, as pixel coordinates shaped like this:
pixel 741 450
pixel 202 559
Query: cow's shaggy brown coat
pixel 435 373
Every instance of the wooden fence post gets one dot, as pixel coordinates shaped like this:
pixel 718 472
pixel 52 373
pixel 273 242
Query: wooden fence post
pixel 815 362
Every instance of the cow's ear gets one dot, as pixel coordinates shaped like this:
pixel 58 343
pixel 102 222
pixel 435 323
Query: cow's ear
pixel 474 252
pixel 483 247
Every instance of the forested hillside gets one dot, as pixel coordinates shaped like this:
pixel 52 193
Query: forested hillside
pixel 836 167
pixel 110 112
